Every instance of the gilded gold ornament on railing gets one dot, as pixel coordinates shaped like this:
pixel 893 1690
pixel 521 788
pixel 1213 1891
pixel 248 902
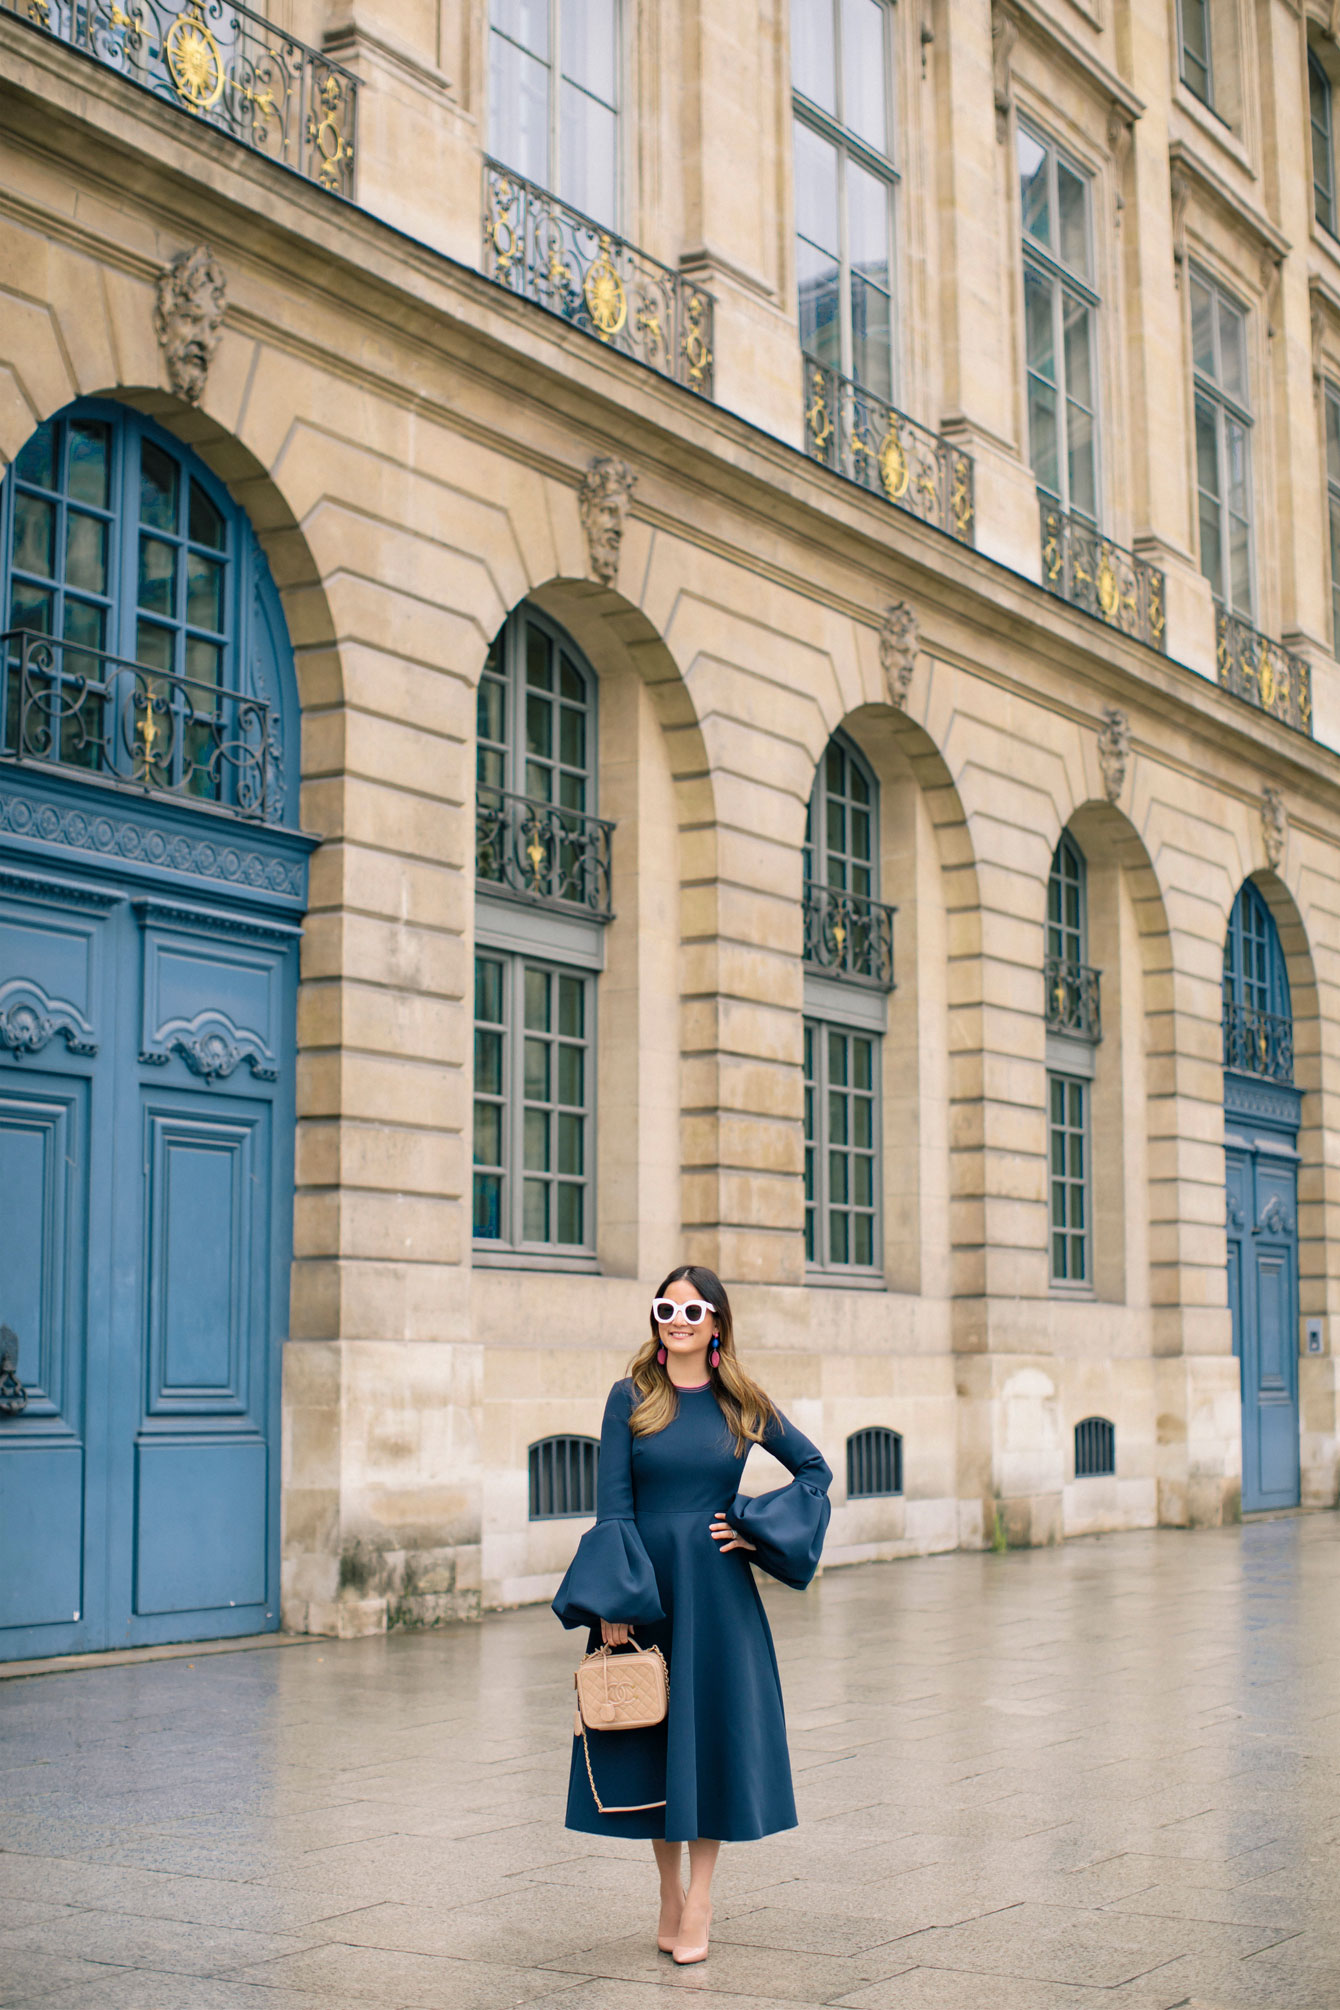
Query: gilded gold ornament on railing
pixel 551 254
pixel 1266 674
pixel 228 67
pixel 879 447
pixel 1082 566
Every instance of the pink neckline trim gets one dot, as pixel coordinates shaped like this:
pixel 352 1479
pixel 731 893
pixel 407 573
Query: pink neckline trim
pixel 690 1388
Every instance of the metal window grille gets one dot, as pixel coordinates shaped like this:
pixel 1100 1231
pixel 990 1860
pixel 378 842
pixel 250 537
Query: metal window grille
pixel 874 1464
pixel 1095 1449
pixel 563 1477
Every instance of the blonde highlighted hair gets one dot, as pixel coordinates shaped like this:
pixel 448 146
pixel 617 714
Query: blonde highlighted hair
pixel 746 1409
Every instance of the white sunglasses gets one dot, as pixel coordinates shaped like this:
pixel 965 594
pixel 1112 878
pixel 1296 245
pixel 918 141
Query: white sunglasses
pixel 665 1311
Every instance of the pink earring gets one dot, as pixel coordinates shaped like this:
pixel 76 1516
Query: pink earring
pixel 714 1358
pixel 660 1355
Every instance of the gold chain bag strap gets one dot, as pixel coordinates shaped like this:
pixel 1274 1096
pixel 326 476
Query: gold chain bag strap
pixel 628 1692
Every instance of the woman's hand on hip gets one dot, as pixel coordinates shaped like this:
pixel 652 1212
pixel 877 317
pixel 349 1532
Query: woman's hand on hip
pixel 729 1538
pixel 614 1632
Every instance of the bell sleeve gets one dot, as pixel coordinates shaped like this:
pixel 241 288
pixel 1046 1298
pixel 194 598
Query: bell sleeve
pixel 611 1576
pixel 787 1526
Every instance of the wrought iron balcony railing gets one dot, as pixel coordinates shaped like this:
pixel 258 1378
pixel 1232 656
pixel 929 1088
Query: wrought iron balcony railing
pixel 537 246
pixel 75 707
pixel 848 935
pixel 1087 569
pixel 879 447
pixel 226 65
pixel 1073 999
pixel 1264 673
pixel 542 852
pixel 1257 1042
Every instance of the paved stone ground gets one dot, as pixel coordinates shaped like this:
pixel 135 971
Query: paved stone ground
pixel 1056 1780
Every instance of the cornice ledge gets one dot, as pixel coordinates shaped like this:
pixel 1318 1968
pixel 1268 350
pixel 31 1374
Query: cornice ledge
pixel 346 42
pixel 1211 183
pixel 1042 26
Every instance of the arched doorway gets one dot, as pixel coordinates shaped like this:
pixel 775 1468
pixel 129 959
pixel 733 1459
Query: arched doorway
pixel 152 884
pixel 1261 1117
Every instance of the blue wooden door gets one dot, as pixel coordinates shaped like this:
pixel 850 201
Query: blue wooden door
pixel 56 1009
pixel 146 1086
pixel 152 884
pixel 1263 1297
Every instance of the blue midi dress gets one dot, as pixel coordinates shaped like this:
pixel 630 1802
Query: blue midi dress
pixel 719 1758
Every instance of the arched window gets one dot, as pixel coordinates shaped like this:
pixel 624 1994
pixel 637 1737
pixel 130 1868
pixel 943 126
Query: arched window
pixel 1095 1449
pixel 542 888
pixel 1067 919
pixel 563 1474
pixel 849 962
pixel 1074 1026
pixel 848 931
pixel 145 641
pixel 874 1464
pixel 1258 1013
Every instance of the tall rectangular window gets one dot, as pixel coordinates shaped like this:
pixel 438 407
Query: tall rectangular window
pixel 1323 143
pixel 1060 325
pixel 1068 1125
pixel 1223 442
pixel 1196 57
pixel 1333 504
pixel 841 1148
pixel 554 97
pixel 534 1059
pixel 841 70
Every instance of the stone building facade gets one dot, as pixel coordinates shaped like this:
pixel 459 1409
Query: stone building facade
pixel 716 474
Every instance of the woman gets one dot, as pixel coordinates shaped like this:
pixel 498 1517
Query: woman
pixel 666 1561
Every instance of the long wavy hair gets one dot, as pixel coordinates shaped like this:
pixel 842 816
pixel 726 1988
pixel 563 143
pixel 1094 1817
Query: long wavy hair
pixel 746 1409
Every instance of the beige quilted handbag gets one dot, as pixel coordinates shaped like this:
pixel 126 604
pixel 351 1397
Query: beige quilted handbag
pixel 624 1692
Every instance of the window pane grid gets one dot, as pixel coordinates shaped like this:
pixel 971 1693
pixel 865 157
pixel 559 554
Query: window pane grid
pixel 1068 1115
pixel 844 181
pixel 840 826
pixel 1223 444
pixel 841 1148
pixel 1059 325
pixel 554 97
pixel 533 1104
pixel 63 562
pixel 1323 154
pixel 1194 37
pixel 1066 931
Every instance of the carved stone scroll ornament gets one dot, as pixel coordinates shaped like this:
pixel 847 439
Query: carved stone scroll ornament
pixel 899 641
pixel 192 294
pixel 1274 825
pixel 1120 132
pixel 1181 198
pixel 603 499
pixel 1004 35
pixel 1114 751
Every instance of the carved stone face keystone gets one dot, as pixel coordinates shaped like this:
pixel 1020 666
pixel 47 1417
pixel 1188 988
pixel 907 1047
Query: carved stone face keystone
pixel 603 499
pixel 192 293
pixel 1114 751
pixel 1274 825
pixel 899 641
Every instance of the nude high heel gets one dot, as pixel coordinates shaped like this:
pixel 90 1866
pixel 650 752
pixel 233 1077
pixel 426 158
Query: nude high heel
pixel 684 1954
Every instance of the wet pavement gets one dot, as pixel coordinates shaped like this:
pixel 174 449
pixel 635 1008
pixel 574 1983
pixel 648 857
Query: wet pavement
pixel 1105 1775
